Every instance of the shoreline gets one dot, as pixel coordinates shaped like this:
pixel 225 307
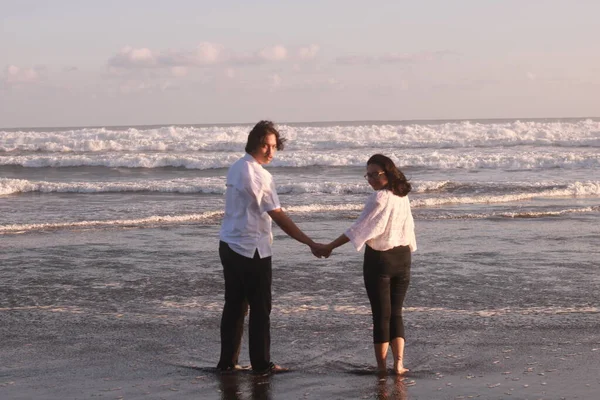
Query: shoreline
pixel 69 353
pixel 135 313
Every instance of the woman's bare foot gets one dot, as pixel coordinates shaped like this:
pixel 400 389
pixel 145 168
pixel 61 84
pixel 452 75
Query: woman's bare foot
pixel 399 367
pixel 400 370
pixel 381 369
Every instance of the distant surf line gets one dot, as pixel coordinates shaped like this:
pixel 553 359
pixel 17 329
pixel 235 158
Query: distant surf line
pixel 214 218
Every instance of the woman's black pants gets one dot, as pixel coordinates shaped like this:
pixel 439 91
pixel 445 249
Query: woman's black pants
pixel 247 283
pixel 387 275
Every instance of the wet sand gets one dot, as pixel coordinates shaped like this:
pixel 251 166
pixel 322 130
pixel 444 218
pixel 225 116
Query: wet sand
pixel 134 314
pixel 52 353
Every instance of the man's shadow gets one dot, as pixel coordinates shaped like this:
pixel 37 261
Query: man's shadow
pixel 236 386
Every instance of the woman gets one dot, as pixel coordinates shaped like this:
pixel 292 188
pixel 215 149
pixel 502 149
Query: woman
pixel 386 226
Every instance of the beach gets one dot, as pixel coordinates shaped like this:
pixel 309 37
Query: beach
pixel 112 286
pixel 149 329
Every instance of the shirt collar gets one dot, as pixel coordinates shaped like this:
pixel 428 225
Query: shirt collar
pixel 249 157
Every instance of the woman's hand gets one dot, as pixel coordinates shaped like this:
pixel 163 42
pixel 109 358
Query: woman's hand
pixel 320 250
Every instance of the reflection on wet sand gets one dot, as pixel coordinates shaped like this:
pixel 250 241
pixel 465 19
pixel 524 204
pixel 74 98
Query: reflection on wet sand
pixel 236 386
pixel 390 387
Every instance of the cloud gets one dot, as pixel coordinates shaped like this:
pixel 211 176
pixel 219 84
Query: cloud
pixel 401 58
pixel 16 75
pixel 309 52
pixel 205 54
pixel 134 87
pixel 413 57
pixel 275 53
pixel 354 60
pixel 179 71
pixel 208 53
pixel 129 57
pixel 393 58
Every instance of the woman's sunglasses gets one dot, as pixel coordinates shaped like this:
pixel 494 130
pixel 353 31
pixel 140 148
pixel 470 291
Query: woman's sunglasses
pixel 373 175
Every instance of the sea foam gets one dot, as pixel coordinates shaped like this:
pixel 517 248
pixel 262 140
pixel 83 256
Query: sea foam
pixel 311 210
pixel 173 139
pixel 216 185
pixel 416 158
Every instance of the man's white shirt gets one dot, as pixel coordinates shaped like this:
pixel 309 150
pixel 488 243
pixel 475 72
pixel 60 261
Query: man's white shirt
pixel 250 194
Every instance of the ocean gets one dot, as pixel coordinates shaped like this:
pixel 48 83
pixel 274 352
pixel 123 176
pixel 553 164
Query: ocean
pixel 109 235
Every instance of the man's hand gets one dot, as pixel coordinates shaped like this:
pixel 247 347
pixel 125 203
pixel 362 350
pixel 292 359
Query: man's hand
pixel 320 250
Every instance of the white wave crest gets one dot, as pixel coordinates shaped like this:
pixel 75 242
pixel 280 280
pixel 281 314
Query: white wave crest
pixel 214 217
pixel 517 215
pixel 163 139
pixel 213 185
pixel 200 185
pixel 317 208
pixel 573 189
pixel 471 159
pixel 216 185
pixel 233 138
pixel 208 217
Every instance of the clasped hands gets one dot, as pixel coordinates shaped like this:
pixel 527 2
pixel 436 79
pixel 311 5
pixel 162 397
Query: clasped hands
pixel 320 250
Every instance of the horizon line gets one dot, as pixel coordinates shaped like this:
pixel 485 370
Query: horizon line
pixel 218 124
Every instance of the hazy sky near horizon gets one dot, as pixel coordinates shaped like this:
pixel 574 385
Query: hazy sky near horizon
pixel 122 62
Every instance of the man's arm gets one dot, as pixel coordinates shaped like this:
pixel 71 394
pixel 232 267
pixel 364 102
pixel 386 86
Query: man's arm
pixel 290 228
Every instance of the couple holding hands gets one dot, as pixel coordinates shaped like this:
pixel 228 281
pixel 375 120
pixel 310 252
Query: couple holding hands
pixel 385 228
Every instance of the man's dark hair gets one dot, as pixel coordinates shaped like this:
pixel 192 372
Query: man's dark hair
pixel 257 135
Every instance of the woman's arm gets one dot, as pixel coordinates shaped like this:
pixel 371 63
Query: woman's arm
pixel 292 230
pixel 341 240
pixel 371 221
pixel 366 226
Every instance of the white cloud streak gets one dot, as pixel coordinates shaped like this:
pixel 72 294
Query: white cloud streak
pixel 309 52
pixel 16 75
pixel 206 54
pixel 393 58
pixel 275 53
pixel 131 58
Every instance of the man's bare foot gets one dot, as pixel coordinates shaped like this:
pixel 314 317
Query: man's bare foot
pixel 271 369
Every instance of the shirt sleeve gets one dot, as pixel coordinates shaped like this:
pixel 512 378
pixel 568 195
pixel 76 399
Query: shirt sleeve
pixel 409 229
pixel 262 187
pixel 370 223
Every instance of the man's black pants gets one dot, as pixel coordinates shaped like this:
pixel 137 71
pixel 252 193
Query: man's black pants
pixel 247 283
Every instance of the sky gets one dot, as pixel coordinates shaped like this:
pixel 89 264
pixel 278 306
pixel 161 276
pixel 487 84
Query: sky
pixel 134 62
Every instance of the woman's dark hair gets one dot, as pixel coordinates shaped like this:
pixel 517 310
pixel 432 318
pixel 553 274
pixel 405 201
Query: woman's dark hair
pixel 397 182
pixel 258 133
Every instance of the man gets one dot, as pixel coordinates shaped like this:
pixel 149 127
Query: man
pixel 251 202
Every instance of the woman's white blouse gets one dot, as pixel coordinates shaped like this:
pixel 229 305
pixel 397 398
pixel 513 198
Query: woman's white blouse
pixel 385 222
